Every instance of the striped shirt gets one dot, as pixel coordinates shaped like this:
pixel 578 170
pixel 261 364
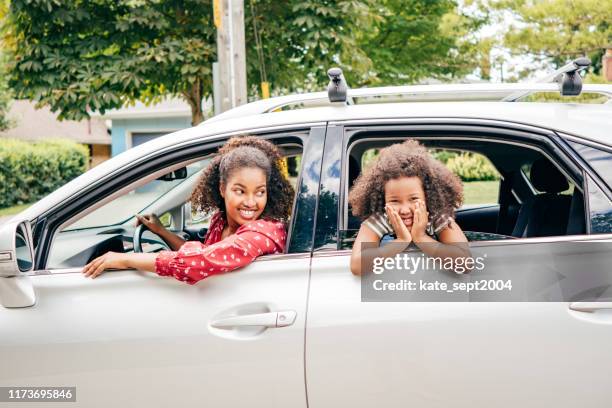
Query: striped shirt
pixel 380 224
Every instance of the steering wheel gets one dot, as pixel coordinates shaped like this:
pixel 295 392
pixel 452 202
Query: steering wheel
pixel 140 229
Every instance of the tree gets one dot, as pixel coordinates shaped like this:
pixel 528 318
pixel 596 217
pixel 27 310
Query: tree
pixel 81 55
pixel 555 31
pixel 376 42
pixel 78 56
pixel 6 97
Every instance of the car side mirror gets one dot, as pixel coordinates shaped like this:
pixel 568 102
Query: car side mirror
pixel 178 174
pixel 16 258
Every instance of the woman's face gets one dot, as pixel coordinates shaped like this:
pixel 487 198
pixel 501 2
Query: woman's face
pixel 245 195
pixel 402 194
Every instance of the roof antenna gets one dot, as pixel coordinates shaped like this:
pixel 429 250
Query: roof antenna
pixel 337 89
pixel 570 81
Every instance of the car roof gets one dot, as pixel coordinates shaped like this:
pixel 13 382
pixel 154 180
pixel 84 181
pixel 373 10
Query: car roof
pixel 589 121
pixel 592 122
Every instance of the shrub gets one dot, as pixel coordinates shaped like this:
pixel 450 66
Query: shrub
pixel 30 171
pixel 472 167
pixel 443 155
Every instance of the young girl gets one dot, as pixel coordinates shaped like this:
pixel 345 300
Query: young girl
pixel 252 199
pixel 408 193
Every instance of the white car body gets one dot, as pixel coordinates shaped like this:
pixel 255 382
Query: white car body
pixel 130 338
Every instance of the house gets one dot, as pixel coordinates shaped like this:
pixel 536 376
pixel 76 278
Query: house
pixel 137 124
pixel 33 124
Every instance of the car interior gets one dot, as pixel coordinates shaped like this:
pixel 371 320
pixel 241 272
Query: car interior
pixel 535 199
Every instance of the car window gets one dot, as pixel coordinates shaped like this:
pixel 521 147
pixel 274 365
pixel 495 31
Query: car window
pixel 479 176
pixel 111 227
pixel 600 209
pixel 547 203
pixel 599 159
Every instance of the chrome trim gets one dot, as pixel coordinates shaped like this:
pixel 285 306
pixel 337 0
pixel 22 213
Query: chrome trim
pixel 281 257
pixel 263 258
pixel 500 242
pixel 333 252
pixel 587 142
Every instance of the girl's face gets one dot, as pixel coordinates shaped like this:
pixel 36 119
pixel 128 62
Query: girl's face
pixel 245 195
pixel 402 194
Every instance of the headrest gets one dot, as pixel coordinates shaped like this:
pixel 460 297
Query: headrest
pixel 546 177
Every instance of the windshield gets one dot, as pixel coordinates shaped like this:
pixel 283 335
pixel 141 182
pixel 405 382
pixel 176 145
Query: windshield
pixel 123 208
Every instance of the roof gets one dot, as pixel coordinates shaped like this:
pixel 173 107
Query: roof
pixel 37 124
pixel 170 107
pixel 593 122
pixel 506 92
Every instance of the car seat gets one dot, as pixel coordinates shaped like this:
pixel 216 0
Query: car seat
pixel 546 213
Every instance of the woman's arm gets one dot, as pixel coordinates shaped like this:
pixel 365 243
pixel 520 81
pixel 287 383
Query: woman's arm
pixel 153 223
pixel 116 260
pixel 171 239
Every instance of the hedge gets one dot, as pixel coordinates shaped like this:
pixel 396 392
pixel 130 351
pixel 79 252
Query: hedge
pixel 472 167
pixel 30 171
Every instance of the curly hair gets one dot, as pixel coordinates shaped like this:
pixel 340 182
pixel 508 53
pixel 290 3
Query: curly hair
pixel 240 152
pixel 443 189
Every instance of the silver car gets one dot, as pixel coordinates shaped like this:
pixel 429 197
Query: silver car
pixel 293 330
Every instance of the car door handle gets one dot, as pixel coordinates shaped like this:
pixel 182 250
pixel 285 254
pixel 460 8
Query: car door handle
pixel 590 307
pixel 272 319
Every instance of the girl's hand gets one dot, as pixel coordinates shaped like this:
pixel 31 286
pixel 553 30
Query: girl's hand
pixel 400 229
pixel 420 216
pixel 110 260
pixel 151 222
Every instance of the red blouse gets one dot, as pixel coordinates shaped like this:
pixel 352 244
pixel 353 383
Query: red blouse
pixel 195 261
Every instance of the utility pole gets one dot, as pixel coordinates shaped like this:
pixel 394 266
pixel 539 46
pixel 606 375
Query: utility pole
pixel 230 77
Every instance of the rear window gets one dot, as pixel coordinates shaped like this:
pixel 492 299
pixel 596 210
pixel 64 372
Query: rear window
pixel 600 160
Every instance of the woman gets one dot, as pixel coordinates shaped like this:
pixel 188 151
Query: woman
pixel 252 199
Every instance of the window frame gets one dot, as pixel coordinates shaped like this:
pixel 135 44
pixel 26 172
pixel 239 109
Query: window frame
pixel 542 140
pixel 141 171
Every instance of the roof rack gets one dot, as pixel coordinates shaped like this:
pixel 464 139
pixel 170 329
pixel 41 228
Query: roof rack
pixel 508 92
pixel 567 77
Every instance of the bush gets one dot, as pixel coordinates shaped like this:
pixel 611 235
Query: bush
pixel 472 167
pixel 30 171
pixel 443 155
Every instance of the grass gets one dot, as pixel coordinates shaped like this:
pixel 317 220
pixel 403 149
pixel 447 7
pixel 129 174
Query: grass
pixel 13 210
pixel 480 192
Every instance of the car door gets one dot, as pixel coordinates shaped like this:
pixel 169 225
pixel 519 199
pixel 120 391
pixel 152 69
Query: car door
pixel 445 353
pixel 131 338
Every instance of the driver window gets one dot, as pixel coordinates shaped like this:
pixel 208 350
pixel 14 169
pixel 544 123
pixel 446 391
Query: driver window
pixel 111 227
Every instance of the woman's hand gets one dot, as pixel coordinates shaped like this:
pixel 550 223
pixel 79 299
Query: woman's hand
pixel 401 231
pixel 110 260
pixel 420 216
pixel 152 222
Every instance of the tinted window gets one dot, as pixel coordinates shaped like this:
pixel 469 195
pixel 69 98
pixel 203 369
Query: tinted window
pixel 600 210
pixel 600 160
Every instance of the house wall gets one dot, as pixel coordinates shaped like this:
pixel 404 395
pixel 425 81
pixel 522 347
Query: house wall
pixel 123 129
pixel 99 153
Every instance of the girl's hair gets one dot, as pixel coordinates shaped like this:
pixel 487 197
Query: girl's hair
pixel 237 153
pixel 443 189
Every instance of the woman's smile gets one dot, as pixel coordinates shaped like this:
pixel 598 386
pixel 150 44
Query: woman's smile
pixel 247 214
